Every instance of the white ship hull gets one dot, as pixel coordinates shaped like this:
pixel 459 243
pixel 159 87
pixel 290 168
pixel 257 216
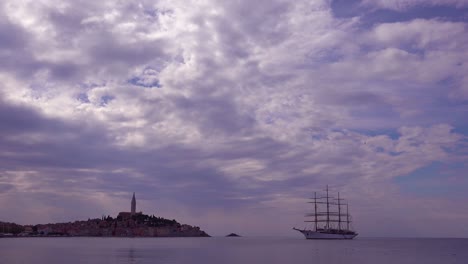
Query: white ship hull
pixel 310 234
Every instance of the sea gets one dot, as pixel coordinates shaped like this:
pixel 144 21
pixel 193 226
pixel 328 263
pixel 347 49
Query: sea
pixel 59 250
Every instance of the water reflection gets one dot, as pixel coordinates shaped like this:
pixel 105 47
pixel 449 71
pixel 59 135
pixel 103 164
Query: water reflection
pixel 128 256
pixel 131 256
pixel 231 251
pixel 135 255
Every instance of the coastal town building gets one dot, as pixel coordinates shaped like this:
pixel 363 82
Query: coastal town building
pixel 126 224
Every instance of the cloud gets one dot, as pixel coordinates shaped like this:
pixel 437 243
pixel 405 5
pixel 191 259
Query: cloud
pixel 406 4
pixel 223 110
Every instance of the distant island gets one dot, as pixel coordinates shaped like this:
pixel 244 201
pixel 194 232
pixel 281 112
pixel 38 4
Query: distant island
pixel 126 224
pixel 233 235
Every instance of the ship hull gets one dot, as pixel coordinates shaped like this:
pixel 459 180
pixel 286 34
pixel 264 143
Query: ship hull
pixel 309 234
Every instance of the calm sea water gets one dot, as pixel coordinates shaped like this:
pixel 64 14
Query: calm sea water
pixel 231 250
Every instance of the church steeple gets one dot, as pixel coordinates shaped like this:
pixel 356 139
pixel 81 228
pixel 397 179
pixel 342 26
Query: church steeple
pixel 133 211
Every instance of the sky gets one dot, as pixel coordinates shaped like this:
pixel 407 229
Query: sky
pixel 229 115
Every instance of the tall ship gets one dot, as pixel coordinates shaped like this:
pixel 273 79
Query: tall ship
pixel 330 218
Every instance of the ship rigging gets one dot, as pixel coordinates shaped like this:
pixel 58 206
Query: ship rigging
pixel 330 222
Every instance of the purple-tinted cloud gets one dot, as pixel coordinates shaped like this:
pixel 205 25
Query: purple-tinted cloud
pixel 214 113
pixel 405 4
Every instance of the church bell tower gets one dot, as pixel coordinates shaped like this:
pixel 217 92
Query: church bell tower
pixel 133 211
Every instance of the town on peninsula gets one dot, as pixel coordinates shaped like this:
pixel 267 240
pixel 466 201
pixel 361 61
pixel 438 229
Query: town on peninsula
pixel 126 224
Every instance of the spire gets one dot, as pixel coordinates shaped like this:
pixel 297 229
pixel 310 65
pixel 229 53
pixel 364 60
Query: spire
pixel 133 211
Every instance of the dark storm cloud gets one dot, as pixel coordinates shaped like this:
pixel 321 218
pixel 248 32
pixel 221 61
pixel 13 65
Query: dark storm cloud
pixel 17 57
pixel 63 71
pixel 101 49
pixel 214 114
pixel 16 119
pixel 12 37
pixel 355 98
pixel 5 187
pixel 72 151
pixel 45 142
pixel 14 49
pixel 263 21
pixel 169 171
pixel 68 24
pixel 107 50
pixel 37 141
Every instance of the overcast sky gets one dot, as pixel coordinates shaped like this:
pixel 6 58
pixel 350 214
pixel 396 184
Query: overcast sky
pixel 228 115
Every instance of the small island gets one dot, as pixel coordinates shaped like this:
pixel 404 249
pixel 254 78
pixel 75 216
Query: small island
pixel 126 224
pixel 233 235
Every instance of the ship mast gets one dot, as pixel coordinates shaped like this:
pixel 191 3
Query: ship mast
pixel 328 211
pixel 329 216
pixel 339 212
pixel 315 203
pixel 347 218
pixel 328 222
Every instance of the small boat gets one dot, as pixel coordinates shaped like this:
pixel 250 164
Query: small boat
pixel 329 222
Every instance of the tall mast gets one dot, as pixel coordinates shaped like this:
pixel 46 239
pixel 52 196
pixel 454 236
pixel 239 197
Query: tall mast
pixel 339 212
pixel 347 217
pixel 328 212
pixel 315 203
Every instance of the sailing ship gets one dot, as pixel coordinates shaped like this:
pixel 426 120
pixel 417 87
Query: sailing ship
pixel 329 219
